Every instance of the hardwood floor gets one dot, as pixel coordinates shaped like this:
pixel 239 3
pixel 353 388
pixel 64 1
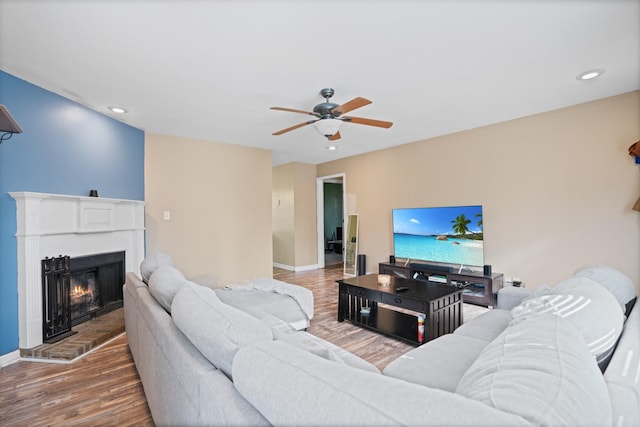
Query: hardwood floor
pixel 103 388
pixel 371 346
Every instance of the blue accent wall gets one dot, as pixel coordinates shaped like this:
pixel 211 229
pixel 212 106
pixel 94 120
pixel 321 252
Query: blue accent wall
pixel 65 148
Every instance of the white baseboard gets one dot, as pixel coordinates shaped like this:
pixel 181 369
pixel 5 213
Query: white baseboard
pixel 306 267
pixel 9 358
pixel 283 266
pixel 298 268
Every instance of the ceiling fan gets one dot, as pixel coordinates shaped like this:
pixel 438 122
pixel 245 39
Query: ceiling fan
pixel 329 116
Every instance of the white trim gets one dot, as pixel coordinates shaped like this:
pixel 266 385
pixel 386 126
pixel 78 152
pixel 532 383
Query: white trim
pixel 320 210
pixel 52 224
pixel 9 358
pixel 306 267
pixel 283 266
pixel 320 221
pixel 299 268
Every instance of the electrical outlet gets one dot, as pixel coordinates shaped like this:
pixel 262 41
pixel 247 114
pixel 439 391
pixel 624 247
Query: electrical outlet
pixel 166 215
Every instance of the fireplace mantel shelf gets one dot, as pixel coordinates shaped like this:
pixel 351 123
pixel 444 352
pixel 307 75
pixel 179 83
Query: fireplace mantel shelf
pixel 41 196
pixel 46 214
pixel 52 224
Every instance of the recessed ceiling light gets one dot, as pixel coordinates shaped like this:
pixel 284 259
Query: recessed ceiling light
pixel 118 110
pixel 331 147
pixel 589 75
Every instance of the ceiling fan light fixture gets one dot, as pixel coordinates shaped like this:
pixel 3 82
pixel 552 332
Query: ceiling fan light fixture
pixel 327 127
pixel 329 116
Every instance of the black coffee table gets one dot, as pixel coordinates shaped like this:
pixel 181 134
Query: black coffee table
pixel 440 304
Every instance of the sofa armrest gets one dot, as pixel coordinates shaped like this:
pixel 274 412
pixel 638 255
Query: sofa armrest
pixel 511 296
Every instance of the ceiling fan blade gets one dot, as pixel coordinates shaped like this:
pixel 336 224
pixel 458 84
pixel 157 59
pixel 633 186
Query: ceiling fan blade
pixel 370 122
pixel 299 125
pixel 335 137
pixel 350 105
pixel 293 110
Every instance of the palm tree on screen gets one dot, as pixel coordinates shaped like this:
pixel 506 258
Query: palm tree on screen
pixel 460 224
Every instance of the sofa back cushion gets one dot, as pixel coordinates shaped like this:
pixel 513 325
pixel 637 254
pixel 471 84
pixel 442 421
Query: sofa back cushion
pixel 540 369
pixel 623 373
pixel 322 348
pixel 163 285
pixel 293 387
pixel 618 283
pixel 216 329
pixel 151 263
pixel 590 308
pixel 438 363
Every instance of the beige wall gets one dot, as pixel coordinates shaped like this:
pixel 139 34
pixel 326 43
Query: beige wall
pixel 218 196
pixel 283 215
pixel 294 216
pixel 556 189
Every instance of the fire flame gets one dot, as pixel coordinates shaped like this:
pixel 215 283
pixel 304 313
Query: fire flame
pixel 79 291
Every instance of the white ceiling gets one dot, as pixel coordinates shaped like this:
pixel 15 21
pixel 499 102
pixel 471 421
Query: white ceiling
pixel 211 69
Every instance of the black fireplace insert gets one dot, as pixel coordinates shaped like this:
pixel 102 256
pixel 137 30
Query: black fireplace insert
pixel 78 289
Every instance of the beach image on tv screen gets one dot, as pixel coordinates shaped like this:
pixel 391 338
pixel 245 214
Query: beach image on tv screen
pixel 451 234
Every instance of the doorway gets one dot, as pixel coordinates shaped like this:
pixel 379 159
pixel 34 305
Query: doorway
pixel 330 219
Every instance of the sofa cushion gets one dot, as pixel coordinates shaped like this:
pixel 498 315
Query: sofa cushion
pixel 279 327
pixel 260 304
pixel 326 350
pixel 216 329
pixel 163 285
pixel 590 307
pixel 487 326
pixel 151 264
pixel 625 402
pixel 623 373
pixel 541 369
pixel 306 390
pixel 439 363
pixel 302 295
pixel 619 284
pixel 511 296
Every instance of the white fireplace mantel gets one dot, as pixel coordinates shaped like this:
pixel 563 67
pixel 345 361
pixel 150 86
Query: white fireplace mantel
pixel 49 225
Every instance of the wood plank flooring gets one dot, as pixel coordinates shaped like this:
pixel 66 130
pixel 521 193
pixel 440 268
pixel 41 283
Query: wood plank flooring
pixel 103 388
pixel 371 346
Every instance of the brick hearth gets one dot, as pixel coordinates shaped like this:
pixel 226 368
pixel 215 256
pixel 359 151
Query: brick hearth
pixel 90 335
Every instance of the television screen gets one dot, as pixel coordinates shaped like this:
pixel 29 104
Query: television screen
pixel 450 234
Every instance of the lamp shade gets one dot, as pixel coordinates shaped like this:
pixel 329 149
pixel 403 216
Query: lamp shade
pixel 327 127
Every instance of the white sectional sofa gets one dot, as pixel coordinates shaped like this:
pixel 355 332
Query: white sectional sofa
pixel 565 356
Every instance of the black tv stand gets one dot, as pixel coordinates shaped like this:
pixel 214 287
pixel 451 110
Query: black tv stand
pixel 476 287
pixel 431 267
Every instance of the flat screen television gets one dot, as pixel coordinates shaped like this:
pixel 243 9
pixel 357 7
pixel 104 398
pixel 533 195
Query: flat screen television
pixel 447 234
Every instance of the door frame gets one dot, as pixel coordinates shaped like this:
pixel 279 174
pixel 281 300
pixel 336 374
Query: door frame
pixel 320 210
